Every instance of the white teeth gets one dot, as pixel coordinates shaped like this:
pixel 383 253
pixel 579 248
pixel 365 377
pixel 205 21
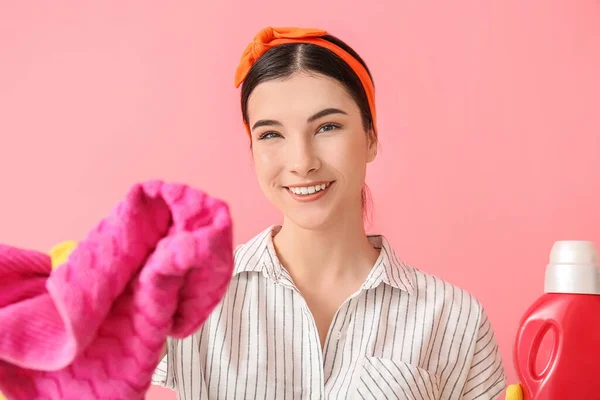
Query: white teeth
pixel 308 189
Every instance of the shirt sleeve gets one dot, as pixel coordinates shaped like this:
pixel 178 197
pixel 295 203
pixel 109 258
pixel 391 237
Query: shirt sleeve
pixel 164 373
pixel 487 378
pixel 180 370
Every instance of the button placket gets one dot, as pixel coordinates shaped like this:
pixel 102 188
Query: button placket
pixel 334 344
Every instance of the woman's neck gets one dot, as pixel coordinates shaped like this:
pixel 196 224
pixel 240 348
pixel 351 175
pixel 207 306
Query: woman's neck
pixel 340 250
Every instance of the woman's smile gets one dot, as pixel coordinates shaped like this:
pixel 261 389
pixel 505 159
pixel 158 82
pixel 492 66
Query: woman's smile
pixel 307 193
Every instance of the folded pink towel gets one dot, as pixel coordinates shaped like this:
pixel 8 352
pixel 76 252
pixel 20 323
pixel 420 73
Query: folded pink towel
pixel 94 328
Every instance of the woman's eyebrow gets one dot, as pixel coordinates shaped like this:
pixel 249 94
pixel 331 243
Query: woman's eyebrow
pixel 320 114
pixel 325 112
pixel 266 122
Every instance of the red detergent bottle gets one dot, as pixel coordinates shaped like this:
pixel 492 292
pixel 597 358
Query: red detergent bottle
pixel 569 312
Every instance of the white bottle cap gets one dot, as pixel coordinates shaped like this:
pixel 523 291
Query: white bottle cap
pixel 573 268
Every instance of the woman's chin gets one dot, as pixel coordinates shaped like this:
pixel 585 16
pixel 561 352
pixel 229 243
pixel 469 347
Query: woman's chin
pixel 312 221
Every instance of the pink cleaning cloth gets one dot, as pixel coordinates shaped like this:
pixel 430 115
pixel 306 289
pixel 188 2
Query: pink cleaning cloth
pixel 95 327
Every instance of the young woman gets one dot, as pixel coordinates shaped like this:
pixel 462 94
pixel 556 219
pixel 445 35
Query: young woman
pixel 317 309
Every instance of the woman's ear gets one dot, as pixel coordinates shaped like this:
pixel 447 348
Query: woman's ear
pixel 371 145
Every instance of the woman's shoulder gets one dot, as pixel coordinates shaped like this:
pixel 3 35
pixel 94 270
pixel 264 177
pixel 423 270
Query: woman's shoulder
pixel 424 286
pixel 257 241
pixel 252 254
pixel 430 287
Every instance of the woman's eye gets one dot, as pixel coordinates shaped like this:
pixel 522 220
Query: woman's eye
pixel 328 127
pixel 268 135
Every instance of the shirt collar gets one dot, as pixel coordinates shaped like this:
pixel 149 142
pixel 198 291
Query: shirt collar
pixel 388 269
pixel 252 256
pixel 258 255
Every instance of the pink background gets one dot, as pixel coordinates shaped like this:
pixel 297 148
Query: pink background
pixel 488 116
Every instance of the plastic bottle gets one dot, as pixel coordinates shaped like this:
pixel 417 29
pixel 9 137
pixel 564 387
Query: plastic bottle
pixel 570 312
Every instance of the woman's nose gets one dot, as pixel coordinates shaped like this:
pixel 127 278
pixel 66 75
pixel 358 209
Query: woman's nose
pixel 303 159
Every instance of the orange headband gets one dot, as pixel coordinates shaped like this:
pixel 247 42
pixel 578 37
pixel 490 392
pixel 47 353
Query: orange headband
pixel 272 37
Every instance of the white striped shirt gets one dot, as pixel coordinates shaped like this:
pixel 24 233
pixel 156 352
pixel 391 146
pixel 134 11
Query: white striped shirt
pixel 404 335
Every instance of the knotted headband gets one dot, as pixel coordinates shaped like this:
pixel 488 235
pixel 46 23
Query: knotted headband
pixel 270 37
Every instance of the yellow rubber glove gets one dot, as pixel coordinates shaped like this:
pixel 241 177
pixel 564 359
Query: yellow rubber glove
pixel 59 254
pixel 514 392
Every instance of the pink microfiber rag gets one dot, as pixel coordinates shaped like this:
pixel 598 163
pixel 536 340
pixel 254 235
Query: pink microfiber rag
pixel 95 327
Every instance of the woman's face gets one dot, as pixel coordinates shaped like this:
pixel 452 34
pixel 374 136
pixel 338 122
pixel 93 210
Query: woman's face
pixel 310 148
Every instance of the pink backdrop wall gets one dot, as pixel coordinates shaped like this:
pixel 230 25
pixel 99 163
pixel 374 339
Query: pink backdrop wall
pixel 488 116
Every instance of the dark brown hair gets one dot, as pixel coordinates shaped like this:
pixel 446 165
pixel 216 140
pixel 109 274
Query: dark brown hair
pixel 284 60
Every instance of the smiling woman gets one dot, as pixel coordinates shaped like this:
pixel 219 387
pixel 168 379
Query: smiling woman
pixel 309 131
pixel 316 308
